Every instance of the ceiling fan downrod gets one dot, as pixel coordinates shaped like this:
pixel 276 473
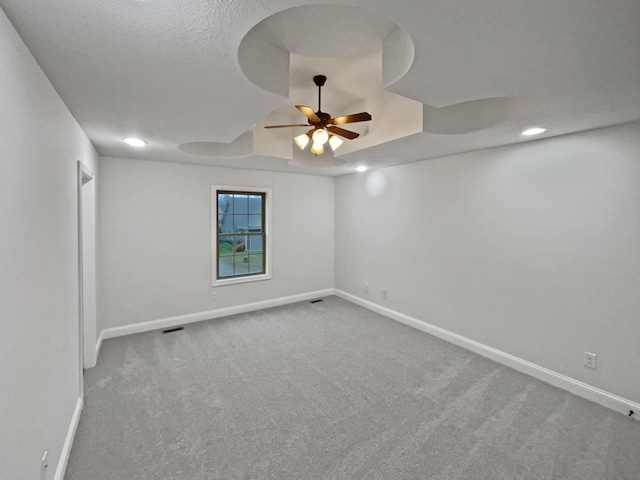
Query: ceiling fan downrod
pixel 319 80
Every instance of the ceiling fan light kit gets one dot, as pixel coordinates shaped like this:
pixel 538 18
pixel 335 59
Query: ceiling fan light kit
pixel 335 142
pixel 322 123
pixel 302 140
pixel 320 136
pixel 317 148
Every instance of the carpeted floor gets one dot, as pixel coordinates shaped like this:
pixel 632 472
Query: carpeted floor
pixel 332 391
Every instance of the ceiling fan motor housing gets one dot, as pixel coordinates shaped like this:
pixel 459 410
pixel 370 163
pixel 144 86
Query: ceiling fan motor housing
pixel 324 118
pixel 319 80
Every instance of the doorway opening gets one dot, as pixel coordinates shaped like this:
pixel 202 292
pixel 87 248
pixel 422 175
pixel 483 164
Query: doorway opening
pixel 86 268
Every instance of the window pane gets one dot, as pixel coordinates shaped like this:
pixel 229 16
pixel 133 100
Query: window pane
pixel 255 204
pixel 241 264
pixel 239 243
pixel 224 246
pixel 225 220
pixel 255 263
pixel 225 204
pixel 240 204
pixel 225 267
pixel 255 243
pixel 240 223
pixel 255 223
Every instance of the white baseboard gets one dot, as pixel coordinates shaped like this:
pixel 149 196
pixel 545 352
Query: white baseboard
pixel 68 442
pixel 208 315
pixel 597 395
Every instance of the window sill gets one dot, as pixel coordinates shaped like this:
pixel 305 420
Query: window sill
pixel 237 280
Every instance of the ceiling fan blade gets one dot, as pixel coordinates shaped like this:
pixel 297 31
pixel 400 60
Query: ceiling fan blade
pixel 356 117
pixel 309 113
pixel 287 126
pixel 343 133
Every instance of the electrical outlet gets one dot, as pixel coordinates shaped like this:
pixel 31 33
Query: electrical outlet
pixel 214 295
pixel 590 360
pixel 44 466
pixel 384 294
pixel 366 288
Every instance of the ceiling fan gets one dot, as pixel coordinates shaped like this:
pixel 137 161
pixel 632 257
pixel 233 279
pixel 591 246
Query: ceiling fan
pixel 323 123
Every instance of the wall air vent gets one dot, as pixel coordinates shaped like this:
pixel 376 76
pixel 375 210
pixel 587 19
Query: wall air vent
pixel 171 330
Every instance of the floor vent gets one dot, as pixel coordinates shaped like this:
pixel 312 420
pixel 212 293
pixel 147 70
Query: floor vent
pixel 171 330
pixel 316 301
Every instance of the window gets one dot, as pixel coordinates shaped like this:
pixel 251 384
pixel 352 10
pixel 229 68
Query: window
pixel 240 234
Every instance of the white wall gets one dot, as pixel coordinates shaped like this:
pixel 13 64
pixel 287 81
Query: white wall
pixel 155 250
pixel 531 249
pixel 40 144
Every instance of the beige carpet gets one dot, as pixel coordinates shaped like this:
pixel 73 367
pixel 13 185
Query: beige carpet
pixel 332 391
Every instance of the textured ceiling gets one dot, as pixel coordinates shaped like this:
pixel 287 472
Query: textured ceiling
pixel 168 71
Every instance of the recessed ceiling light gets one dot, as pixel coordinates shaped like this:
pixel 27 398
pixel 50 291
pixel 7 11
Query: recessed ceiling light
pixel 134 142
pixel 361 168
pixel 534 131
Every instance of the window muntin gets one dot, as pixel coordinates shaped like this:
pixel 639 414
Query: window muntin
pixel 241 229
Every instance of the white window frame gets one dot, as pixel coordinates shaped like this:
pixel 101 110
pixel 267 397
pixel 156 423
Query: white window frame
pixel 216 282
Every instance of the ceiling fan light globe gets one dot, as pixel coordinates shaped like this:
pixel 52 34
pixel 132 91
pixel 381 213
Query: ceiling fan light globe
pixel 317 148
pixel 301 140
pixel 335 142
pixel 320 136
